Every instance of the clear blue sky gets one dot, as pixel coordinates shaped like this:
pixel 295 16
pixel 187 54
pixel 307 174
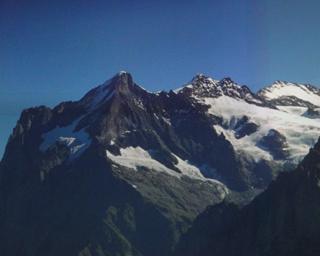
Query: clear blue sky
pixel 57 50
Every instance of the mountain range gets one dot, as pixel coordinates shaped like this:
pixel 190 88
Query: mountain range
pixel 124 171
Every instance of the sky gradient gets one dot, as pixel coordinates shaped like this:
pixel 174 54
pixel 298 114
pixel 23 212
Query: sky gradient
pixel 52 51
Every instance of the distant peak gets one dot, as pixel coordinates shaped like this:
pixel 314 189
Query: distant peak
pixel 206 80
pixel 201 78
pixel 281 82
pixel 120 83
pixel 124 76
pixel 227 81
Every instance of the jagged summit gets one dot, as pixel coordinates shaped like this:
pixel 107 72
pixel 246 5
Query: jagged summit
pixel 227 81
pixel 202 78
pixel 202 86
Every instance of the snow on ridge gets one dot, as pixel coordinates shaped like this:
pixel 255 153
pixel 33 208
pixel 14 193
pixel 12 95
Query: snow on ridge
pixel 133 157
pixel 76 141
pixel 200 78
pixel 280 89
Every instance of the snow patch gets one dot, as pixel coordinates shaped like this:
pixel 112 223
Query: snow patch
pixel 133 157
pixel 76 141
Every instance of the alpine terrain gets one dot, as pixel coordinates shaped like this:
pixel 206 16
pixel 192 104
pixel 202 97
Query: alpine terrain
pixel 283 220
pixel 124 171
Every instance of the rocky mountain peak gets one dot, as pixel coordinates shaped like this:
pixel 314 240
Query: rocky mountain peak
pixel 227 81
pixel 121 82
pixel 201 79
pixel 202 86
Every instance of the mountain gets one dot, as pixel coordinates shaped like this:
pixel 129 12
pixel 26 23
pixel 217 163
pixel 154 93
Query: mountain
pixel 283 220
pixel 256 126
pixel 117 172
pixel 123 171
pixel 299 99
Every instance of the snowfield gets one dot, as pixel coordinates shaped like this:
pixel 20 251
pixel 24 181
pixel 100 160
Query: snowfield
pixel 301 132
pixel 133 157
pixel 301 91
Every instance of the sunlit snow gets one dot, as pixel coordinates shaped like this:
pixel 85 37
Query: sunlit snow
pixel 300 91
pixel 133 157
pixel 301 132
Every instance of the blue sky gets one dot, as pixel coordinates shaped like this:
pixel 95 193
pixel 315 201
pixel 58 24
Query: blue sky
pixel 52 51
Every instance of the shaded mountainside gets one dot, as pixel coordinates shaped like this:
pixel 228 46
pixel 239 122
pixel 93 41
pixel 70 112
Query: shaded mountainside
pixel 124 171
pixel 283 220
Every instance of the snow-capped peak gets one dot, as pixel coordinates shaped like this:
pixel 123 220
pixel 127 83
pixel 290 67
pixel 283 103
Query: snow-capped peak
pixel 228 82
pixel 280 93
pixel 203 80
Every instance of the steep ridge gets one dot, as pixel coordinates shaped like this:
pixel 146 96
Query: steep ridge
pixel 283 220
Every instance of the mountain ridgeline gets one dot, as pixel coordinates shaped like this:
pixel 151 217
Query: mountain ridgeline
pixel 123 171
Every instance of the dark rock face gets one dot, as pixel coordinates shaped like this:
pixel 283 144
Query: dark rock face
pixel 244 127
pixel 283 220
pixel 276 143
pixel 80 209
pixel 312 113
